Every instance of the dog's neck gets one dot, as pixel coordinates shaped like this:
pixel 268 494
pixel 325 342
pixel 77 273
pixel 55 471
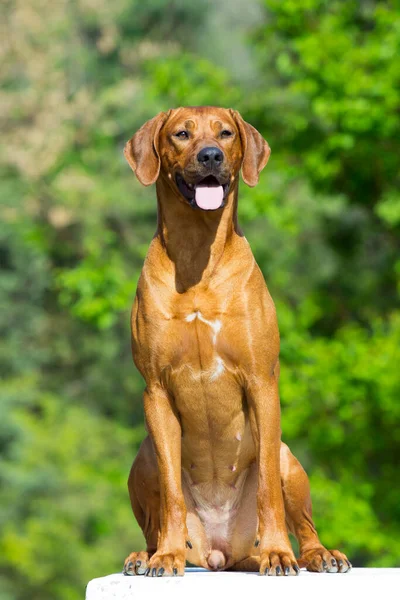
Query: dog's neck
pixel 193 239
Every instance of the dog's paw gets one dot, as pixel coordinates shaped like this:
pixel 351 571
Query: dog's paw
pixel 166 565
pixel 136 563
pixel 278 562
pixel 320 560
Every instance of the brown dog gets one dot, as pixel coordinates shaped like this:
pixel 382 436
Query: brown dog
pixel 212 483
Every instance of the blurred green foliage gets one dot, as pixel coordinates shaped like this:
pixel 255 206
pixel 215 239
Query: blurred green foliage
pixel 321 81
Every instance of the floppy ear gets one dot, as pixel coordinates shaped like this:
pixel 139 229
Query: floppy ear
pixel 141 151
pixel 255 150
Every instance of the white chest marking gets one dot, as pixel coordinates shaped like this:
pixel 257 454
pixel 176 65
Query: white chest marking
pixel 215 325
pixel 191 317
pixel 218 367
pixel 213 373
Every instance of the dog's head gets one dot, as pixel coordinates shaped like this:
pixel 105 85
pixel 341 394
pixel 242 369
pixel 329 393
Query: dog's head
pixel 200 151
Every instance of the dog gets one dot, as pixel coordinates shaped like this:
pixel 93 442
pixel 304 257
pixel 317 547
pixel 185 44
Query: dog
pixel 212 484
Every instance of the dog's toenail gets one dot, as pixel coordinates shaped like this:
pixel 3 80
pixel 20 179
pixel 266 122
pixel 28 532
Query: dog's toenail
pixel 160 572
pixel 175 571
pixel 287 570
pixel 153 572
pixel 278 570
pixel 189 544
pixel 333 561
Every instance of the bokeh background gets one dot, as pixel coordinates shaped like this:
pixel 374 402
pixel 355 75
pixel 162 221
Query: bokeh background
pixel 321 80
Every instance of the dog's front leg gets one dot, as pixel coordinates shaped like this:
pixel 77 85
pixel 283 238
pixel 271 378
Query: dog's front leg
pixel 165 431
pixel 276 553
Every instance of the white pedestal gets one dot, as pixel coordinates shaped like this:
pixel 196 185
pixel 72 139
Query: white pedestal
pixel 358 584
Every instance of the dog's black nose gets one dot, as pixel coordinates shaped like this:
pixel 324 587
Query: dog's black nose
pixel 210 157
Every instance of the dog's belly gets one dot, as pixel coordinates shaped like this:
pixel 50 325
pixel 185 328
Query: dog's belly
pixel 217 505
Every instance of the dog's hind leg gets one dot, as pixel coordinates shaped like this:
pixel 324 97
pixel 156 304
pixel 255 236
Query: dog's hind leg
pixel 143 485
pixel 298 510
pixel 145 500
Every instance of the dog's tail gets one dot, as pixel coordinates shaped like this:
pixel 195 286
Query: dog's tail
pixel 216 560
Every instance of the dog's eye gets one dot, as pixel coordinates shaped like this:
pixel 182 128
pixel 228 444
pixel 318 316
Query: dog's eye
pixel 226 133
pixel 182 135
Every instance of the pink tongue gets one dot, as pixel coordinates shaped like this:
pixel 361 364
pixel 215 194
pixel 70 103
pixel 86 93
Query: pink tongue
pixel 209 198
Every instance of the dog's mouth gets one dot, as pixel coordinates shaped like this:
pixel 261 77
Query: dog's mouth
pixel 207 194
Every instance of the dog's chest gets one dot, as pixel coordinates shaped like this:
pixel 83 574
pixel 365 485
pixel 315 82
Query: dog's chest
pixel 201 349
pixel 201 358
pixel 204 378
